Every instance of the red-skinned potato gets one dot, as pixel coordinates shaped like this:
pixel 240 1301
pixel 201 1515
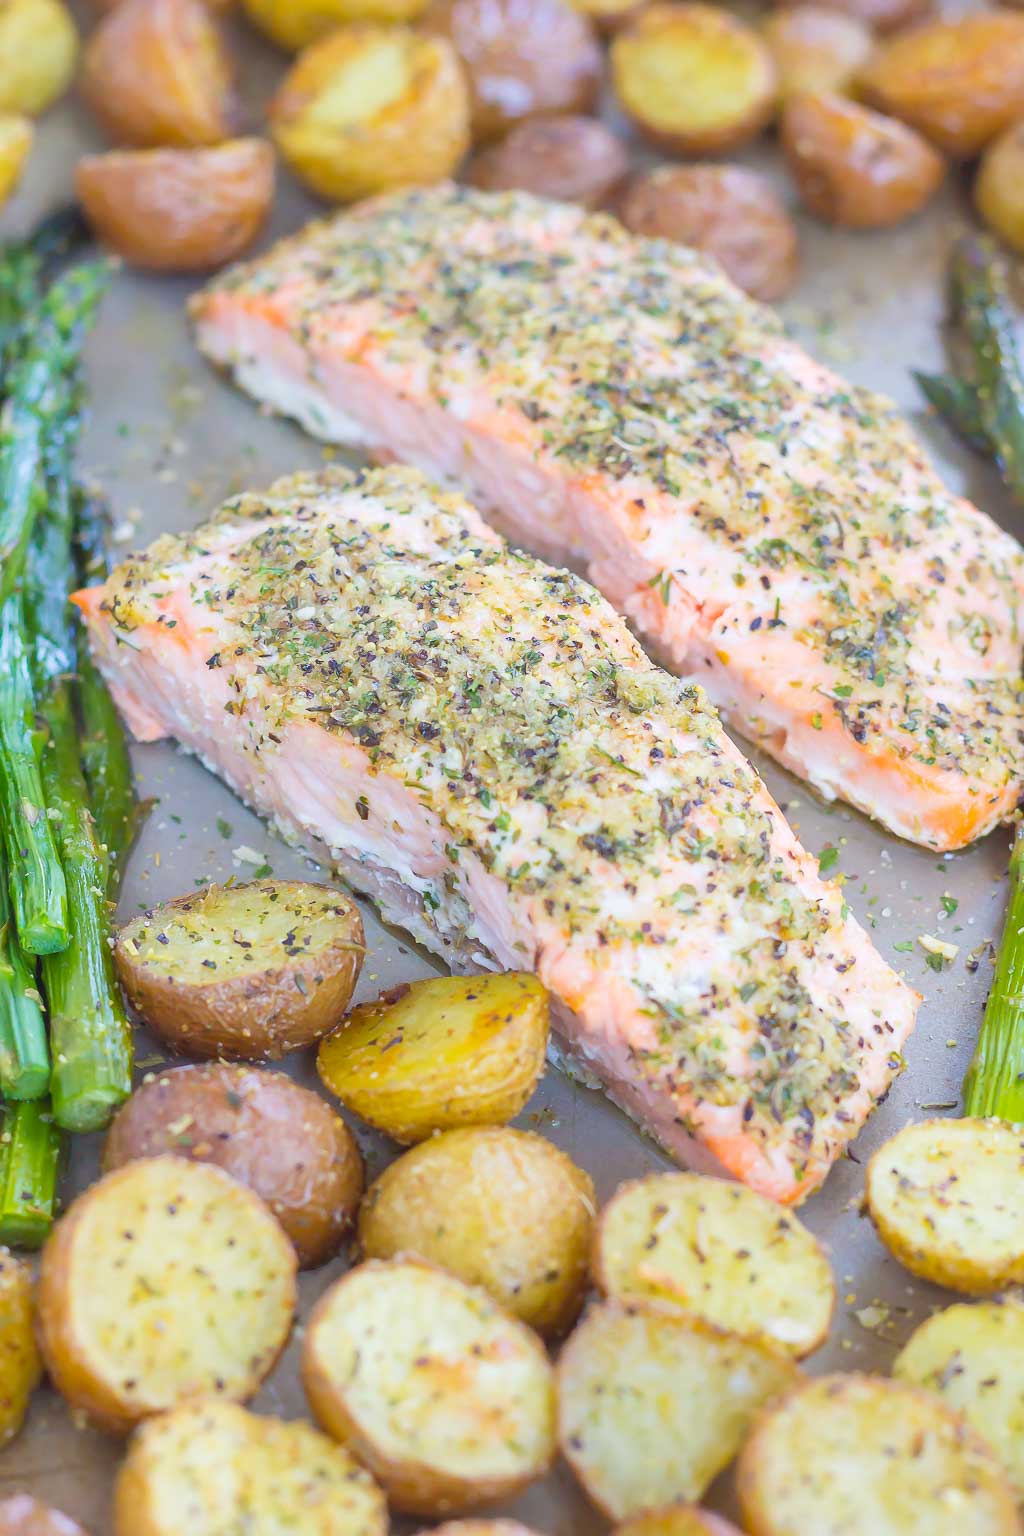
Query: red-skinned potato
pixel 23 1515
pixel 573 159
pixel 282 1141
pixel 879 15
pixel 178 210
pixel 816 49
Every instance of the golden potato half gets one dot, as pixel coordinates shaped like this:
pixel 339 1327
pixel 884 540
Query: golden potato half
pixel 250 970
pixel 178 210
pixel 677 1520
pixel 855 167
pixel 947 1200
pixel 859 1453
pixel 999 186
pixel 16 135
pixel 973 1357
pixel 653 1405
pixel 500 1208
pixel 444 1396
pixel 294 24
pixel 816 49
pixel 22 1515
pixel 524 58
pixel 165 1281
pixel 38 54
pixel 960 82
pixel 208 1468
pixel 720 1251
pixel 20 1366
pixel 694 78
pixel 280 1140
pixel 371 108
pixel 438 1054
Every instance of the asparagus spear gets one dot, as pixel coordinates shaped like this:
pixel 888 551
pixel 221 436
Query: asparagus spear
pixel 117 812
pixel 981 302
pixel 957 402
pixel 29 1154
pixel 994 1084
pixel 24 1056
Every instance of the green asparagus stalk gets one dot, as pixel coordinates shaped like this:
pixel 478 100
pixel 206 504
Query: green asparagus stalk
pixel 982 304
pixel 29 1154
pixel 957 403
pixel 24 1055
pixel 117 812
pixel 994 1084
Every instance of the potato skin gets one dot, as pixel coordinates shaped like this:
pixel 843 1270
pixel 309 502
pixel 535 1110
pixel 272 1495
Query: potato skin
pixel 480 1528
pixel 524 58
pixel 280 1140
pixel 999 186
pixel 178 210
pixel 573 159
pixel 816 49
pixel 879 15
pixel 960 83
pixel 855 167
pixel 729 211
pixel 294 24
pixel 157 72
pixel 22 1515
pixel 20 1365
pixel 677 1520
pixel 416 139
pixel 256 1017
pixel 38 54
pixel 664 64
pixel 499 1208
pixel 16 136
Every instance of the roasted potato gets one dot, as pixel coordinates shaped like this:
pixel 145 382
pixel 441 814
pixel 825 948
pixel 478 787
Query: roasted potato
pixel 973 1357
pixel 694 78
pixel 210 1468
pixel 652 1405
pixel 859 1453
pixel 22 1515
pixel 438 1054
pixel 158 72
pixel 370 108
pixel 720 1251
pixel 947 1200
pixel 20 1368
pixel 294 24
pixel 999 186
pixel 816 49
pixel 167 1280
pixel 499 1208
pixel 960 82
pixel 38 54
pixel 16 135
pixel 855 167
pixel 677 1520
pixel 879 15
pixel 178 210
pixel 607 15
pixel 574 159
pixel 729 211
pixel 250 970
pixel 479 1528
pixel 273 1136
pixel 445 1397
pixel 524 58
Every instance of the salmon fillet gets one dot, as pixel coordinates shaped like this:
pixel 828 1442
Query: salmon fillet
pixel 486 751
pixel 617 404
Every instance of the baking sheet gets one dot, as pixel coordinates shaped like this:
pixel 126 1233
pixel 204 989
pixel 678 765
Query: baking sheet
pixel 168 440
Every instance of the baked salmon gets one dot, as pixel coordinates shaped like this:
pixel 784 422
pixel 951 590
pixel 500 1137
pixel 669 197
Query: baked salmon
pixel 485 750
pixel 617 404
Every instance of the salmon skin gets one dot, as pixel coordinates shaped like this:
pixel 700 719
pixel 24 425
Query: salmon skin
pixel 486 751
pixel 617 403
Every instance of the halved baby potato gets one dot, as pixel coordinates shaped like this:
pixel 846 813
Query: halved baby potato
pixel 972 1356
pixel 164 1282
pixel 280 1140
pixel 178 210
pixel 694 78
pixel 999 186
pixel 209 1468
pixel 861 1454
pixel 16 135
pixel 572 159
pixel 959 81
pixel 718 1250
pixel 855 167
pixel 446 1398
pixel 38 54
pixel 370 108
pixel 158 72
pixel 20 1366
pixel 500 1208
pixel 251 971
pixel 653 1405
pixel 437 1054
pixel 947 1200
pixel 294 24
pixel 23 1515
pixel 677 1520
pixel 816 49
